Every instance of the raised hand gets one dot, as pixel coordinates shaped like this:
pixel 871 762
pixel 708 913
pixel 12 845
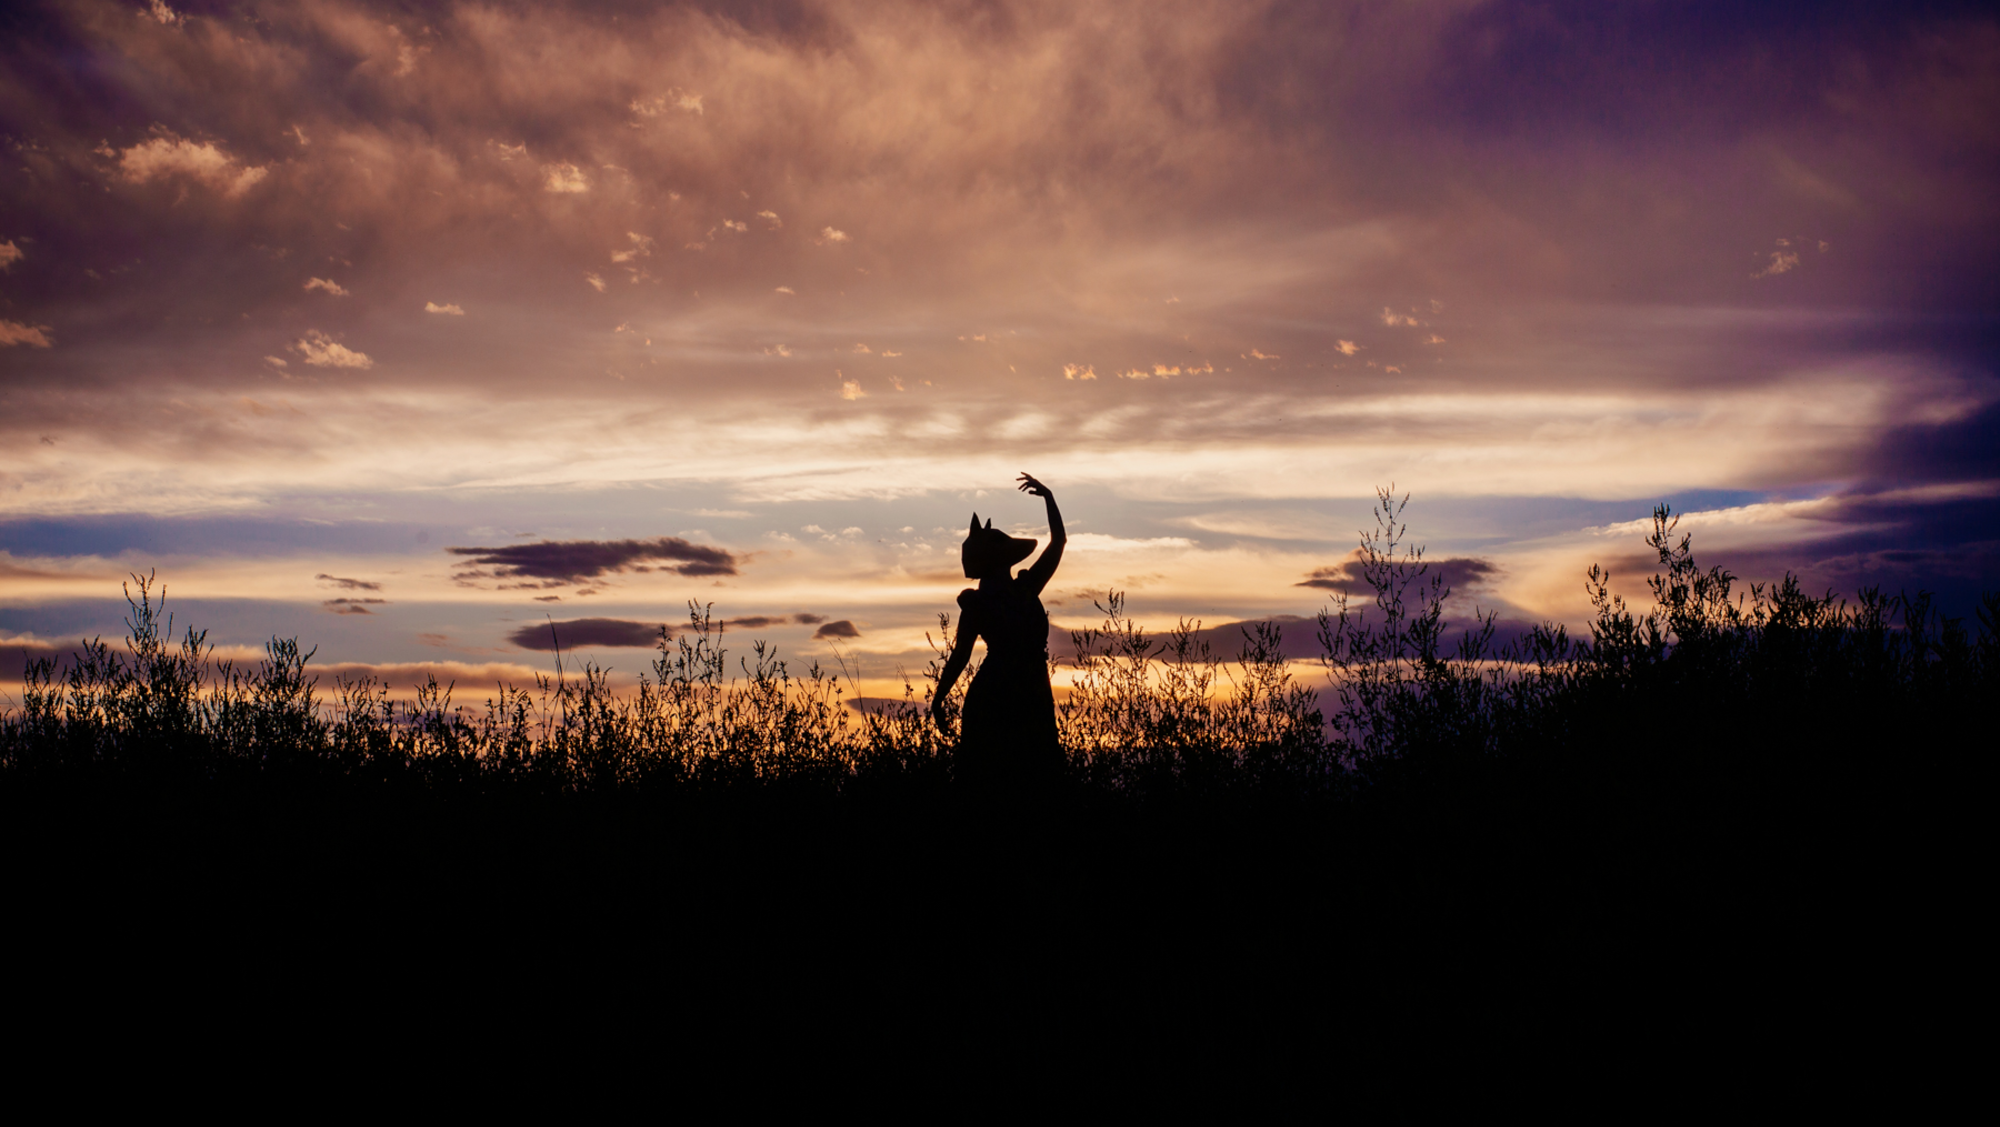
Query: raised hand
pixel 1030 485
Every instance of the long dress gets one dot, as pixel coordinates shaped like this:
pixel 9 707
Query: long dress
pixel 1008 729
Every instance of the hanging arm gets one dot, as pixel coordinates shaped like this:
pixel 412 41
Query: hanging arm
pixel 961 653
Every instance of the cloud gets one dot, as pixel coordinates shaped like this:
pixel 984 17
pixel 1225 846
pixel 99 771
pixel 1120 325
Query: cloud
pixel 1782 261
pixel 1347 576
pixel 158 12
pixel 9 254
pixel 596 282
pixel 841 628
pixel 322 351
pixel 1262 523
pixel 766 621
pixel 830 235
pixel 777 350
pixel 890 354
pixel 1346 348
pixel 348 584
pixel 861 348
pixel 642 247
pixel 452 309
pixel 326 284
pixel 851 389
pixel 352 606
pixel 16 652
pixel 771 217
pixel 1079 372
pixel 170 155
pixel 578 633
pixel 1255 354
pixel 672 99
pixel 14 332
pixel 564 178
pixel 1392 318
pixel 574 561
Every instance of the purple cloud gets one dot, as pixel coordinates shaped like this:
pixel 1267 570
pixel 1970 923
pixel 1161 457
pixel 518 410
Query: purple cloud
pixel 348 584
pixel 578 633
pixel 763 621
pixel 1346 576
pixel 559 562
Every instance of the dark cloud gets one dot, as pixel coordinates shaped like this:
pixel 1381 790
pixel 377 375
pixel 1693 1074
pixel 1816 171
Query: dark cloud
pixel 352 606
pixel 1347 578
pixel 1964 449
pixel 579 633
pixel 561 562
pixel 1940 539
pixel 762 621
pixel 348 584
pixel 15 655
pixel 840 628
pixel 1708 66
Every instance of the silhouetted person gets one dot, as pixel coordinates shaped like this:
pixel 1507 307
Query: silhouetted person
pixel 1008 737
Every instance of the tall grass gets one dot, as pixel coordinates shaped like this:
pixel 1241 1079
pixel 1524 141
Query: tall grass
pixel 1411 696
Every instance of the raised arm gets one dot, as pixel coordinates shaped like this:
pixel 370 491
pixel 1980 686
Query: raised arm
pixel 1044 569
pixel 961 653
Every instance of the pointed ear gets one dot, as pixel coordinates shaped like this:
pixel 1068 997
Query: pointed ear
pixel 989 522
pixel 975 522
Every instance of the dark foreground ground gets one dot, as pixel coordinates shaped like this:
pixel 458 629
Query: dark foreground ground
pixel 1508 910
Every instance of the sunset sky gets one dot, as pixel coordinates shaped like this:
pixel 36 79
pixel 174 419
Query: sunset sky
pixel 409 328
